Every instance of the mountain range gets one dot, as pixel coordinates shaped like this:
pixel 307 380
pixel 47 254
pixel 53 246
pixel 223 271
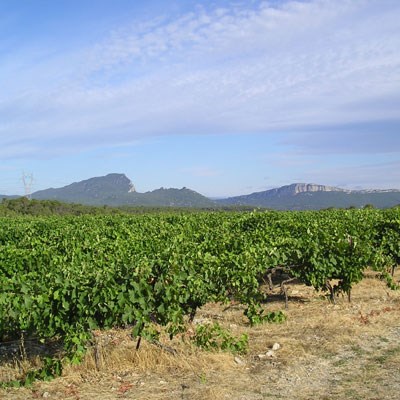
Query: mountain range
pixel 118 190
pixel 308 196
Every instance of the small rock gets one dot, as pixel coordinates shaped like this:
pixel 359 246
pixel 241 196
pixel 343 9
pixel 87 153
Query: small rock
pixel 261 356
pixel 276 346
pixel 46 395
pixel 162 382
pixel 239 361
pixel 270 353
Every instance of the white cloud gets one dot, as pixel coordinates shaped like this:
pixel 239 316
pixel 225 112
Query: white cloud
pixel 242 69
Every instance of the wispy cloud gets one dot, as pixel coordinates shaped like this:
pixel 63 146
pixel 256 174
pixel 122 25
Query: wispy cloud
pixel 240 69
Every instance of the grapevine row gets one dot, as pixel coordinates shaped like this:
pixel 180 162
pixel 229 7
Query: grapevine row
pixel 63 277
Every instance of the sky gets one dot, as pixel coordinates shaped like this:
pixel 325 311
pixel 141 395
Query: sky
pixel 223 97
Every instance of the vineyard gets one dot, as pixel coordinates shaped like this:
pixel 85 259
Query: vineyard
pixel 62 278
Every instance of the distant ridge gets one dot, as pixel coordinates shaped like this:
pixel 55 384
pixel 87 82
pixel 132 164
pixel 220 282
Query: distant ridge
pixel 296 188
pixel 311 196
pixel 118 190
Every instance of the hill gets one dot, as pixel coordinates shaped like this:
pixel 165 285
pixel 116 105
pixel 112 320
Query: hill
pixel 306 196
pixel 5 196
pixel 118 190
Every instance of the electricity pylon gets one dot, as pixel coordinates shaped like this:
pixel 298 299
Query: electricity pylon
pixel 27 180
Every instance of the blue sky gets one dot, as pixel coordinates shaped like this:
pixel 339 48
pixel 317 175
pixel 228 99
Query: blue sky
pixel 223 97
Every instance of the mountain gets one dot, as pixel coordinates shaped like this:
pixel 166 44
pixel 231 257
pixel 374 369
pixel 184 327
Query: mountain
pixel 93 189
pixel 118 190
pixel 309 196
pixel 171 198
pixel 99 190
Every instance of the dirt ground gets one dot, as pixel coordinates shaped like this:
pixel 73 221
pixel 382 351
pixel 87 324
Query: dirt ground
pixel 326 351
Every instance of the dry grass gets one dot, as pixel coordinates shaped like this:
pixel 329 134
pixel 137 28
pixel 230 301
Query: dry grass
pixel 327 352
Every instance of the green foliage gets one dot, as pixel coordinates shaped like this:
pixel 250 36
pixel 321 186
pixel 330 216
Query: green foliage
pixel 256 315
pixel 51 369
pixel 24 206
pixel 390 281
pixel 64 276
pixel 276 317
pixel 215 337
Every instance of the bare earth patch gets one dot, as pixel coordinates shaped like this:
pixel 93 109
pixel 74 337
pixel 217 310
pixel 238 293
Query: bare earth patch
pixel 326 351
